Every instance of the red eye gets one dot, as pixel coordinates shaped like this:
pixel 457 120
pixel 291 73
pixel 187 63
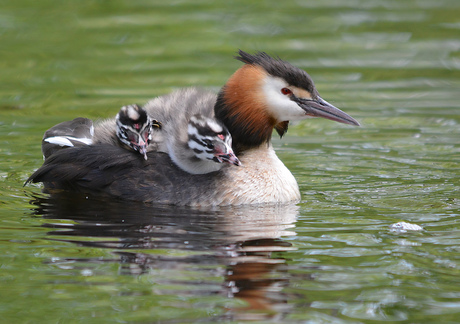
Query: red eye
pixel 286 91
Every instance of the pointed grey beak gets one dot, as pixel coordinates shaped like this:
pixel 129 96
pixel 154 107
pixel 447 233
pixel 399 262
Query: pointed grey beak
pixel 142 149
pixel 229 158
pixel 140 146
pixel 321 108
pixel 224 153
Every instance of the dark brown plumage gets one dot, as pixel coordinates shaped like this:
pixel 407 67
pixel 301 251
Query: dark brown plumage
pixel 115 172
pixel 80 128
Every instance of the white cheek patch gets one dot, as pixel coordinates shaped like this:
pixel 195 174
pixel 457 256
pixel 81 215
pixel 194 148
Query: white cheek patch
pixel 193 145
pixel 191 130
pixel 204 156
pixel 200 152
pixel 280 105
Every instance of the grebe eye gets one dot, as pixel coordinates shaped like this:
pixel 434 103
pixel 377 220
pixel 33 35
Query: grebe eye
pixel 286 91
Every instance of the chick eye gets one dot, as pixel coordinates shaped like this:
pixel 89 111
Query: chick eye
pixel 209 144
pixel 286 91
pixel 123 131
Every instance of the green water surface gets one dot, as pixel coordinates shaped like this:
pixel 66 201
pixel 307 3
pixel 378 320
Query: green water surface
pixel 393 65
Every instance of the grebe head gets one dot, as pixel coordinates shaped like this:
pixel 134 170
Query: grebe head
pixel 134 128
pixel 267 93
pixel 210 140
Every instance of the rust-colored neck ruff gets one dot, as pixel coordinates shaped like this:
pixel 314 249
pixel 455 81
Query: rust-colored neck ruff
pixel 241 106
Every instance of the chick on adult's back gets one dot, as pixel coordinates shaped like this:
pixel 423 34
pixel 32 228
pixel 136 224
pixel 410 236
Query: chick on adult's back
pixel 263 95
pixel 191 135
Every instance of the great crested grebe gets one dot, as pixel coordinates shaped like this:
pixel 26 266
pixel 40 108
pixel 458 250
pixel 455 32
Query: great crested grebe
pixel 200 147
pixel 264 94
pixel 191 135
pixel 132 129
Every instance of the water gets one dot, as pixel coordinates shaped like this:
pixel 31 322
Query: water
pixel 332 258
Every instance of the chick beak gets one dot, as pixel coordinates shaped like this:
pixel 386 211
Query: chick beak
pixel 229 158
pixel 227 155
pixel 321 108
pixel 143 151
pixel 141 147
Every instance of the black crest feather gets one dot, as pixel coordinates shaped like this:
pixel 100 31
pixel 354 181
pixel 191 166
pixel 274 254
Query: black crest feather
pixel 279 68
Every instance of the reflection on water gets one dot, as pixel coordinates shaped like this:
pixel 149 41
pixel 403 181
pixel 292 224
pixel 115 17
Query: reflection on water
pixel 232 252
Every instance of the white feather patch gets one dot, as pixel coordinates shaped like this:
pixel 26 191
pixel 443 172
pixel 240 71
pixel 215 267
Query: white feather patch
pixel 133 114
pixel 195 146
pixel 214 126
pixel 192 130
pixel 67 140
pixel 280 105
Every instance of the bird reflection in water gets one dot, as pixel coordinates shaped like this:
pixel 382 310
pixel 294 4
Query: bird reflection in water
pixel 243 246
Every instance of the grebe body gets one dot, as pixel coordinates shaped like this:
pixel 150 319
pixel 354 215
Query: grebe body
pixel 262 96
